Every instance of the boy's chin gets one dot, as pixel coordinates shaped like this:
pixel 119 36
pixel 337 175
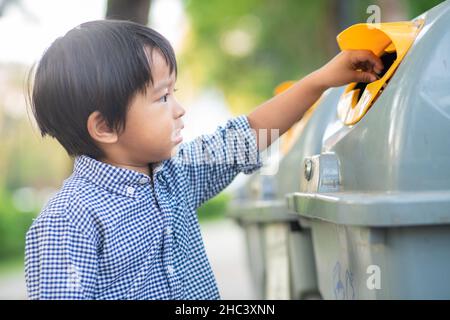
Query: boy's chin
pixel 174 151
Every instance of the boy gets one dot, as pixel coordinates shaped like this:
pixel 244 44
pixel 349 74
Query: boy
pixel 123 225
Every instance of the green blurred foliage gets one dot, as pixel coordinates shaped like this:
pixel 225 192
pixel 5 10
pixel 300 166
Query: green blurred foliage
pixel 23 149
pixel 215 208
pixel 288 39
pixel 13 226
pixel 417 7
pixel 29 165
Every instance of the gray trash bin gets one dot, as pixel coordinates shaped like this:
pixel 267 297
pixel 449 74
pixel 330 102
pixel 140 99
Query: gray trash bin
pixel 279 243
pixel 377 194
pixel 270 233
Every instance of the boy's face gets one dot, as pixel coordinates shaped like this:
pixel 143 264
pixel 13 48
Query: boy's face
pixel 153 123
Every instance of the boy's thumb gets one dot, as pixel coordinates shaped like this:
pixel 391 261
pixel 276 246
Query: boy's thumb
pixel 366 77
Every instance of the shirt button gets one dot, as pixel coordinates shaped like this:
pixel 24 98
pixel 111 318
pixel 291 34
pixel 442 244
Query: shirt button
pixel 130 191
pixel 170 270
pixel 168 230
pixel 143 180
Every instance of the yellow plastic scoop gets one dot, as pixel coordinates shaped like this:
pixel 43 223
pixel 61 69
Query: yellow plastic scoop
pixel 393 38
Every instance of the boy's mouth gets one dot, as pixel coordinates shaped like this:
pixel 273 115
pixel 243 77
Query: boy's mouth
pixel 176 135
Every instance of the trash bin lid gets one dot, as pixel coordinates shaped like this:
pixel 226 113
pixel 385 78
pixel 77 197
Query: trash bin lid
pixel 393 39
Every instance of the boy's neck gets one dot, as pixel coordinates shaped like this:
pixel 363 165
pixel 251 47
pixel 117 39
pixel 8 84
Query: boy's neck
pixel 145 169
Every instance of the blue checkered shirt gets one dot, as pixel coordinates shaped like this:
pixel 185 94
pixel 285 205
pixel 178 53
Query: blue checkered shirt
pixel 114 233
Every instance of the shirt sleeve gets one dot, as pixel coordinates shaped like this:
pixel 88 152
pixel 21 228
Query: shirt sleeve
pixel 60 261
pixel 211 162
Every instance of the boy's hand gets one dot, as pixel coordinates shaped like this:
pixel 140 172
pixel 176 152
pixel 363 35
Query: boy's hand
pixel 283 110
pixel 350 66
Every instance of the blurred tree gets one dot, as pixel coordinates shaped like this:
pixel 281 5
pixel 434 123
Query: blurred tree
pixel 134 10
pixel 248 47
pixel 417 7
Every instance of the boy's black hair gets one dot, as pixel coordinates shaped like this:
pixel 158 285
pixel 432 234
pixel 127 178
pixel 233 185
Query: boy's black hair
pixel 99 65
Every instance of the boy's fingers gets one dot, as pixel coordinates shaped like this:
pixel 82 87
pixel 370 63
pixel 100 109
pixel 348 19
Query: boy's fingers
pixel 364 57
pixel 365 77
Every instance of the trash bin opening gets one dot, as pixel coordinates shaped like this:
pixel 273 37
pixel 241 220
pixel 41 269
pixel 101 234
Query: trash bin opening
pixel 391 42
pixel 388 59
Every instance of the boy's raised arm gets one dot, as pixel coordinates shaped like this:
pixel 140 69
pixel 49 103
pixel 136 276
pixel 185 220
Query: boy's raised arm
pixel 285 109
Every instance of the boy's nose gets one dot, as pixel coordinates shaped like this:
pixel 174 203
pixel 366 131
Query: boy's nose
pixel 179 110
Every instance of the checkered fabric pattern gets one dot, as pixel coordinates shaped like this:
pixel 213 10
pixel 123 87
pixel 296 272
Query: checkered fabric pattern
pixel 114 233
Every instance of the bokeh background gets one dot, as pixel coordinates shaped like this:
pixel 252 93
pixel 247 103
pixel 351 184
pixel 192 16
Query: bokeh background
pixel 231 56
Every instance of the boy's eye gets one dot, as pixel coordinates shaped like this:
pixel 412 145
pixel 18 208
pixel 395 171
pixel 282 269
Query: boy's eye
pixel 164 98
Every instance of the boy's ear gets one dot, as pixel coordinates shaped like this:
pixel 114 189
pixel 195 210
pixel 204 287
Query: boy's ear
pixel 99 129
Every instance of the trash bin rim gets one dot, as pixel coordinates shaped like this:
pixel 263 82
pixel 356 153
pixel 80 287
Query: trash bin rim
pixel 383 209
pixel 261 211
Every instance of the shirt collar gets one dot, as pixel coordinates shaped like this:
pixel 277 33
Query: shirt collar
pixel 157 167
pixel 114 179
